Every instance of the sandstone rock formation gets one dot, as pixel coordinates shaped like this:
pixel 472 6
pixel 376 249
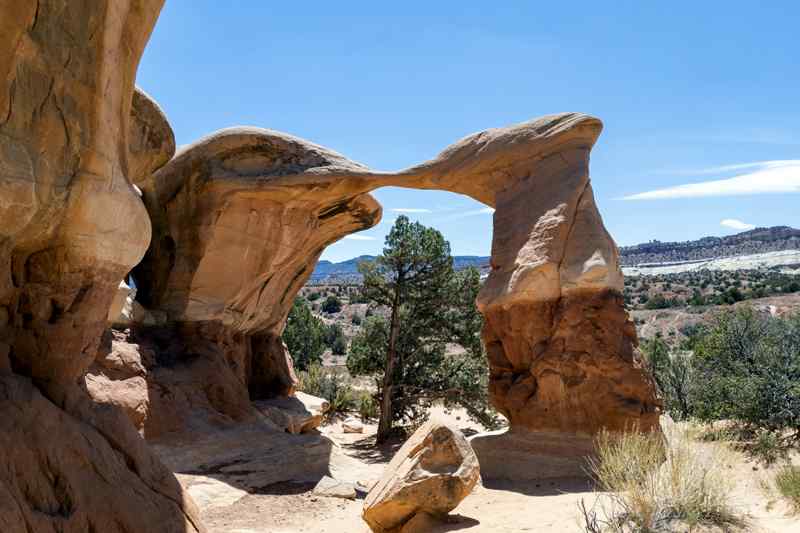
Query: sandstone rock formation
pixel 71 227
pixel 263 205
pixel 431 473
pixel 235 269
pixel 561 348
pixel 296 414
pixel 333 488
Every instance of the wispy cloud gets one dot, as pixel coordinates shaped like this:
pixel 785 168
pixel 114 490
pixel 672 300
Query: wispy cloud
pixel 356 237
pixel 470 213
pixel 766 177
pixel 721 169
pixel 736 224
pixel 410 210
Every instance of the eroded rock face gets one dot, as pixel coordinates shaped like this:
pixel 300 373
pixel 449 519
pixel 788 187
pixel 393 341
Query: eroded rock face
pixel 71 227
pixel 232 250
pixel 431 473
pixel 45 481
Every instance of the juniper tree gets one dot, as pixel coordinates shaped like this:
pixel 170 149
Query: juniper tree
pixel 428 306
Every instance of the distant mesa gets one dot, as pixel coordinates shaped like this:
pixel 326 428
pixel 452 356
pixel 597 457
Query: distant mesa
pixel 756 241
pixel 347 271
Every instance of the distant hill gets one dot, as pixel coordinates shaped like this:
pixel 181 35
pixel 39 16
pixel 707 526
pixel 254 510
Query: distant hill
pixel 347 271
pixel 756 241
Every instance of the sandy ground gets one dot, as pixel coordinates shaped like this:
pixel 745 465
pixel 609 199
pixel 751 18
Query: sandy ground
pixel 552 506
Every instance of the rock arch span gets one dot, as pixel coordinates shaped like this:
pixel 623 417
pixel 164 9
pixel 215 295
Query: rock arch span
pixel 250 211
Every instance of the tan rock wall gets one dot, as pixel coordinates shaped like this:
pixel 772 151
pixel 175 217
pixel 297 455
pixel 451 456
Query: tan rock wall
pixel 71 227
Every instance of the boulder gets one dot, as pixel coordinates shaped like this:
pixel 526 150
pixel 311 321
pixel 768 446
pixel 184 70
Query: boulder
pixel 333 488
pixel 352 425
pixel 423 523
pixel 431 473
pixel 298 413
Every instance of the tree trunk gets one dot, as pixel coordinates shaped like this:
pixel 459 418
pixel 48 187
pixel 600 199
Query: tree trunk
pixel 385 422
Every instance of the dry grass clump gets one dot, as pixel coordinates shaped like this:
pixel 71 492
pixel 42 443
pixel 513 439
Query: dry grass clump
pixel 787 481
pixel 659 483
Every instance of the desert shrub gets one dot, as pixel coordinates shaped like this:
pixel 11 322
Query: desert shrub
pixel 331 305
pixel 659 302
pixel 672 371
pixel 367 406
pixel 356 319
pixel 339 346
pixel 747 367
pixel 313 296
pixel 767 447
pixel 330 385
pixel 787 481
pixel 654 481
pixel 304 335
pixel 335 339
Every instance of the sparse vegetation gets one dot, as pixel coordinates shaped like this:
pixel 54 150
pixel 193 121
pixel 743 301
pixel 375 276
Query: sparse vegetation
pixel 332 304
pixel 747 369
pixel 331 385
pixel 787 481
pixel 702 288
pixel 655 483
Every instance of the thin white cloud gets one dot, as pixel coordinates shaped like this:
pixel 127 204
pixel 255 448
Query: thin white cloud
pixel 767 177
pixel 355 237
pixel 410 210
pixel 470 213
pixel 736 224
pixel 721 169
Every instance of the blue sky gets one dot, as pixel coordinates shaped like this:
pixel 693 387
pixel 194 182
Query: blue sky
pixel 689 92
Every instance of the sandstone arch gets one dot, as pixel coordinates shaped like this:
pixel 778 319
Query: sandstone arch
pixel 250 210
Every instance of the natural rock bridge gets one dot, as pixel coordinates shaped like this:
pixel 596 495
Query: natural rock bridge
pixel 235 224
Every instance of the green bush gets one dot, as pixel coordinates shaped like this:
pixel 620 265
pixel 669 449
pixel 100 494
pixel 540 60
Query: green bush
pixel 356 320
pixel 767 447
pixel 330 385
pixel 747 369
pixel 339 346
pixel 335 339
pixel 673 374
pixel 367 406
pixel 331 305
pixel 304 335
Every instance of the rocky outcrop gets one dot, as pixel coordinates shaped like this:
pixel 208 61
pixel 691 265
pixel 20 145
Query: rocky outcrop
pixel 250 245
pixel 299 413
pixel 431 473
pixel 71 227
pixel 168 381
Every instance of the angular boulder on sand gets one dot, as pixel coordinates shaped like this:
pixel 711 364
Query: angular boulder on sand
pixel 352 425
pixel 431 473
pixel 295 414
